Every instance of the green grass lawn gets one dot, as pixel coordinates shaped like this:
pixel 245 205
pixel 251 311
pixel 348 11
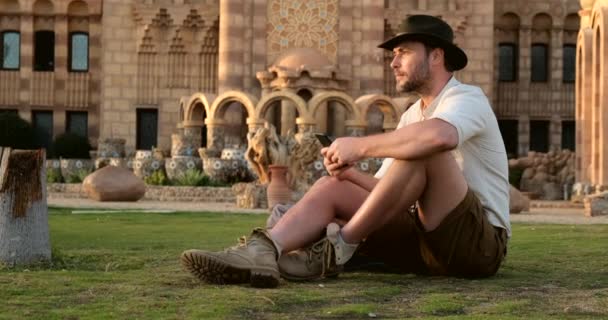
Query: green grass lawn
pixel 125 266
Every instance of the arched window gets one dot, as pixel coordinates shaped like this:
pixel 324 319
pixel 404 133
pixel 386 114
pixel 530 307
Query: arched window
pixel 541 40
pixel 79 52
pixel 570 34
pixel 44 50
pixel 569 63
pixel 507 37
pixel 539 63
pixel 507 62
pixel 10 50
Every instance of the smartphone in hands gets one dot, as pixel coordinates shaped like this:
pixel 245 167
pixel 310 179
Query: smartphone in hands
pixel 324 139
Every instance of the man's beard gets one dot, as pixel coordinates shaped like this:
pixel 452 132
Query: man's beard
pixel 417 81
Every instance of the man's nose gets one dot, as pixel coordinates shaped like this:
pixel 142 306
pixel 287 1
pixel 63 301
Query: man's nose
pixel 396 62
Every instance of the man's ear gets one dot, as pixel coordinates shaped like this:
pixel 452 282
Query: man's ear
pixel 438 55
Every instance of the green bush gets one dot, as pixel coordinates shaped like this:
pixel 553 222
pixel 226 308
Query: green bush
pixel 53 176
pixel 71 146
pixel 157 178
pixel 16 132
pixel 78 176
pixel 192 178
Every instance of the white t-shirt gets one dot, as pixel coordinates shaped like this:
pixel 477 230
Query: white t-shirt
pixel 480 153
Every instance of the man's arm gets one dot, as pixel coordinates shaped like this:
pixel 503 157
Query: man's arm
pixel 363 180
pixel 414 141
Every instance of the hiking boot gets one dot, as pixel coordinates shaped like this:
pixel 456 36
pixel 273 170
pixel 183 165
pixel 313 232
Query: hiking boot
pixel 325 258
pixel 313 263
pixel 253 260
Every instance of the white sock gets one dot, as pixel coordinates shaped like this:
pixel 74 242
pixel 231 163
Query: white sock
pixel 344 251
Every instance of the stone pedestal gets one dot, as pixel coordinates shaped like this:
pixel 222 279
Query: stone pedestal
pixel 184 145
pixel 176 166
pixel 145 164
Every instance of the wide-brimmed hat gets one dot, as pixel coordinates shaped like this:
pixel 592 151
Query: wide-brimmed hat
pixel 430 30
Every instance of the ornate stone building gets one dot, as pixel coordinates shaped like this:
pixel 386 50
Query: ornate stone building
pixel 592 95
pixel 144 69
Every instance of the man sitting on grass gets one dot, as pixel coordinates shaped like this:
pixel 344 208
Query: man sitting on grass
pixel 438 205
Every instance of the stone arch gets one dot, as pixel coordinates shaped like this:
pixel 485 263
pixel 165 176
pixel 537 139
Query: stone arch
pixel 78 8
pixel 9 6
pixel 220 103
pixel 78 22
pixel 599 95
pixel 353 112
pixel 571 27
pixel 583 108
pixel 197 106
pixel 508 24
pixel 541 28
pixel 267 100
pixel 43 8
pixel 384 103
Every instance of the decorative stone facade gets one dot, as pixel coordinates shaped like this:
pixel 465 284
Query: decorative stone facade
pixel 214 65
pixel 30 84
pixel 534 93
pixel 592 96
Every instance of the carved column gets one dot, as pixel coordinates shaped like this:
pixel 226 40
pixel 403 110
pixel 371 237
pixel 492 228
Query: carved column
pixel 288 117
pixel 584 138
pixel 231 47
pixel 321 117
pixel 339 118
pixel 216 130
pixel 555 132
pixel 61 64
pixel 556 53
pixel 304 125
pixel 194 133
pixel 355 128
pixel 524 135
pixel 524 54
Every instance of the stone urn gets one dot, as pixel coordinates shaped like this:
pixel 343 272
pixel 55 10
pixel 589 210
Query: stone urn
pixel 278 191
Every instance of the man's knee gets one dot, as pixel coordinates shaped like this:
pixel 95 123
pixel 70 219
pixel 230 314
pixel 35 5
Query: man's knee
pixel 326 181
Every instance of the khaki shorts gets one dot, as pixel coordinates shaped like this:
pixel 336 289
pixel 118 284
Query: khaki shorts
pixel 465 244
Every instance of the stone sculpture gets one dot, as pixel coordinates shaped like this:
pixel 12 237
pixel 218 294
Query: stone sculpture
pixel 265 147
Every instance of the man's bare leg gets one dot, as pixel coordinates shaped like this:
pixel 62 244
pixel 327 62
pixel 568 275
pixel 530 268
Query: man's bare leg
pixel 436 183
pixel 327 200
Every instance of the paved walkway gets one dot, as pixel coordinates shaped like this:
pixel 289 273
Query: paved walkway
pixel 560 213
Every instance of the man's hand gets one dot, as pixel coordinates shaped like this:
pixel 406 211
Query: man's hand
pixel 344 151
pixel 335 169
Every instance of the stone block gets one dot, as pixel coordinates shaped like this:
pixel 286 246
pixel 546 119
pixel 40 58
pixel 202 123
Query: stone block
pixel 113 184
pixel 596 204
